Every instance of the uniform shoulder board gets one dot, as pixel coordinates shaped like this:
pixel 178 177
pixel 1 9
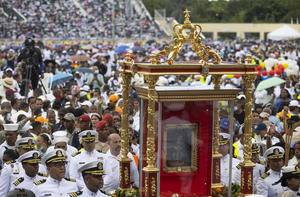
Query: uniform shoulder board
pixel 75 154
pixel 239 166
pixel 39 182
pixel 70 179
pixel 18 181
pixel 42 174
pixel 74 194
pixel 106 193
pixel 265 175
pixel 261 162
pixel 10 162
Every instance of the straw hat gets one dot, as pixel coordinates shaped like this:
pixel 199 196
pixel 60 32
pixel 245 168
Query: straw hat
pixel 8 83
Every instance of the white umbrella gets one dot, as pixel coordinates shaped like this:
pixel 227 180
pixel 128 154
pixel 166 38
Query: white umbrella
pixel 284 33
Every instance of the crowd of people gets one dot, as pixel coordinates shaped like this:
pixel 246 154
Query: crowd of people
pixel 73 128
pixel 64 20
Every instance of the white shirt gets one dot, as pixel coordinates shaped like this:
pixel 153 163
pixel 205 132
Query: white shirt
pixel 54 188
pixel 25 182
pixel 262 142
pixel 113 182
pixel 14 116
pixel 87 193
pixel 136 149
pixel 262 97
pixel 265 187
pixel 224 162
pixel 293 161
pixel 83 158
pixel 4 146
pixel 136 121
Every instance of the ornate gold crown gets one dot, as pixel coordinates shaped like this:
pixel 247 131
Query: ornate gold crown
pixel 187 33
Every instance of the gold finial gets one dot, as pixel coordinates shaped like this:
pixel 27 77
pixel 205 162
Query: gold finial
pixel 128 57
pixel 248 58
pixel 187 16
pixel 187 33
pixel 153 58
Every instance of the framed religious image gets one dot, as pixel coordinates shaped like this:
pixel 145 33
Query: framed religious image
pixel 180 148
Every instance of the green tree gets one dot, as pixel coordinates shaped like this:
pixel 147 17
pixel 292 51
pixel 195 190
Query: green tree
pixel 229 11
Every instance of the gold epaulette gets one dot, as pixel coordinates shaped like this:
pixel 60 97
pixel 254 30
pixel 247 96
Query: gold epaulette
pixel 10 162
pixel 75 154
pixel 42 174
pixel 18 181
pixel 265 175
pixel 70 179
pixel 239 166
pixel 261 162
pixel 39 182
pixel 106 193
pixel 74 194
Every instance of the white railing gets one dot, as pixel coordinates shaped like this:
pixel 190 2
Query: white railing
pixel 3 12
pixel 77 4
pixel 20 14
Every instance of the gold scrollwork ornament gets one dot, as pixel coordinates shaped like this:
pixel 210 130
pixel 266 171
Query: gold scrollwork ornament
pixel 153 187
pixel 146 186
pixel 126 175
pixel 187 33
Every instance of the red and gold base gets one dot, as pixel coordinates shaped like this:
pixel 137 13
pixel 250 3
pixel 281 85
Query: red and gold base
pixel 150 184
pixel 216 178
pixel 246 180
pixel 125 173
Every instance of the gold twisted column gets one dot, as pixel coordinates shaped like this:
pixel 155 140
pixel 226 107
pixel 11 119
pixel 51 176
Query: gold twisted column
pixel 216 179
pixel 247 165
pixel 150 184
pixel 125 161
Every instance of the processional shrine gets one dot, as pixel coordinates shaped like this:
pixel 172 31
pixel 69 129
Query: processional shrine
pixel 180 125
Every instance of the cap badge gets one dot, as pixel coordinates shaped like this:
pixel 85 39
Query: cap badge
pixel 59 153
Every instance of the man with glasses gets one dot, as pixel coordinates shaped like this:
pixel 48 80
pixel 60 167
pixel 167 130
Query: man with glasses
pixel 56 184
pixel 30 163
pixel 88 154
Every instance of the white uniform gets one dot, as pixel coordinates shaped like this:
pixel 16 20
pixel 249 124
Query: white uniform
pixel 26 182
pixel 51 187
pixel 113 182
pixel 87 193
pixel 4 146
pixel 224 162
pixel 11 172
pixel 85 157
pixel 265 185
pixel 258 171
pixel 289 192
